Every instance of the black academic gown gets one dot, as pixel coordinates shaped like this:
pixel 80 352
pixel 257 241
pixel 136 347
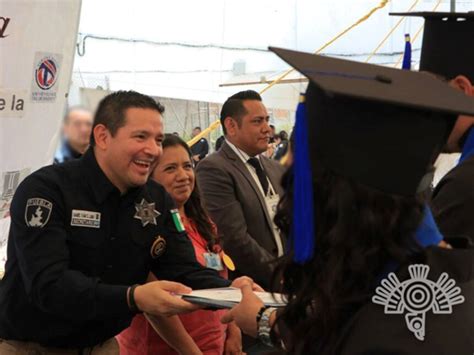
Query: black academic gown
pixel 453 202
pixel 371 331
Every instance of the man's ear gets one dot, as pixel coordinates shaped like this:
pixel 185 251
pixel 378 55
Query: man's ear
pixel 230 125
pixel 464 84
pixel 101 136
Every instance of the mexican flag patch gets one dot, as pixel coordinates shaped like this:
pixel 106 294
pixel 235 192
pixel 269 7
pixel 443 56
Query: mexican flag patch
pixel 177 220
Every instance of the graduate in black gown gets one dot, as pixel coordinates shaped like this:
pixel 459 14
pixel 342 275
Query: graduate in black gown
pixel 448 51
pixel 364 273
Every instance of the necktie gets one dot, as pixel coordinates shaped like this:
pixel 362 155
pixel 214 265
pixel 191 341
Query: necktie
pixel 262 177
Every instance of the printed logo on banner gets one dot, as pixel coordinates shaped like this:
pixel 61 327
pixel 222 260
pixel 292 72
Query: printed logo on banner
pixel 10 183
pixel 11 180
pixel 46 73
pixel 3 26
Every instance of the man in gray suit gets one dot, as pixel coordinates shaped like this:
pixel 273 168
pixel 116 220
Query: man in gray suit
pixel 241 188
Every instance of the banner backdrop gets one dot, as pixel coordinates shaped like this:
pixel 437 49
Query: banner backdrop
pixel 37 42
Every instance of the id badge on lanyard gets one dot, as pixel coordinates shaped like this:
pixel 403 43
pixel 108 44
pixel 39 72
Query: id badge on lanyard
pixel 271 200
pixel 213 261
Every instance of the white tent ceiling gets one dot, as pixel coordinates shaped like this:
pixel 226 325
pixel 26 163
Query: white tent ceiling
pixel 186 49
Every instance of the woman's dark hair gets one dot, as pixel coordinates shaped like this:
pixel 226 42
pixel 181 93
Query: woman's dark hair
pixel 359 232
pixel 193 207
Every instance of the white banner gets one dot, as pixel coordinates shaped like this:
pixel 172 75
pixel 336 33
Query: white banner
pixel 37 43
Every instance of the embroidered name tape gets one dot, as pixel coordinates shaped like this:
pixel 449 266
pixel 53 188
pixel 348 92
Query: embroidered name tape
pixel 88 219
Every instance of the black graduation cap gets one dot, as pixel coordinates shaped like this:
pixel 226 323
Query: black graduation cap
pixel 380 126
pixel 448 43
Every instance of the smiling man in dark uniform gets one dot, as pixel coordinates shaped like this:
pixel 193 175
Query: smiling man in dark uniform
pixel 84 236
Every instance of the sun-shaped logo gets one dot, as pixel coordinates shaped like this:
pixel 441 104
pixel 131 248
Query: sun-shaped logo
pixel 416 296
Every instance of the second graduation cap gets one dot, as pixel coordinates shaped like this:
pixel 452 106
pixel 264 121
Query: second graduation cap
pixel 447 47
pixel 379 126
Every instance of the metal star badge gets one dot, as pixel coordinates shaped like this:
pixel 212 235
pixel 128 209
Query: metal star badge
pixel 146 212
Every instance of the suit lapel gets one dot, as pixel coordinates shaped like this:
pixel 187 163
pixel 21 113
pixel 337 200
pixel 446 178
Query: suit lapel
pixel 239 165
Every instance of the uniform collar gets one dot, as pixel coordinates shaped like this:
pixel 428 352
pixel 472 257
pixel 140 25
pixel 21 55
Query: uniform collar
pixel 96 179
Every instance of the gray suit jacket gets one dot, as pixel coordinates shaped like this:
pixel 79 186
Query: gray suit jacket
pixel 236 205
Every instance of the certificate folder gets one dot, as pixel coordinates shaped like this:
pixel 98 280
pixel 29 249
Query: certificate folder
pixel 228 297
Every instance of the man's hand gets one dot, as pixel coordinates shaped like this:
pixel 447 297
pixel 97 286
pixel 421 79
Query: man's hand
pixel 245 280
pixel 157 298
pixel 245 313
pixel 233 340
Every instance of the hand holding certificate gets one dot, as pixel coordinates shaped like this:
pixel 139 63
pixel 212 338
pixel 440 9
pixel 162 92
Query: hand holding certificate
pixel 229 297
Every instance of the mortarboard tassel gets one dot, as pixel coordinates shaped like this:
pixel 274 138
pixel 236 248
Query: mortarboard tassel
pixel 302 229
pixel 428 233
pixel 407 54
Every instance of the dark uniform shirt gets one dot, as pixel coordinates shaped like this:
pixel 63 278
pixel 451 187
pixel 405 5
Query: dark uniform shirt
pixel 75 246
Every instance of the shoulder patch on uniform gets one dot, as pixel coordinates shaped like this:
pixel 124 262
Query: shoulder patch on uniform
pixel 158 247
pixel 37 212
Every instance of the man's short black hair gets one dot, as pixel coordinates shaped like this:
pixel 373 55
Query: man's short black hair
pixel 234 106
pixel 111 110
pixel 197 127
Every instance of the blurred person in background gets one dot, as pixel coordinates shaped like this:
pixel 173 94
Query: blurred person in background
pixel 201 148
pixel 76 133
pixel 282 147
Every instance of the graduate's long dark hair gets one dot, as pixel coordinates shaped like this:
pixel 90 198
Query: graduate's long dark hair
pixel 193 206
pixel 359 231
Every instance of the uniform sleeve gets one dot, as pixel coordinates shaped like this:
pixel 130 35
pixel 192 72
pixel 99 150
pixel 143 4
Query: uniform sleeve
pixel 39 239
pixel 226 211
pixel 178 262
